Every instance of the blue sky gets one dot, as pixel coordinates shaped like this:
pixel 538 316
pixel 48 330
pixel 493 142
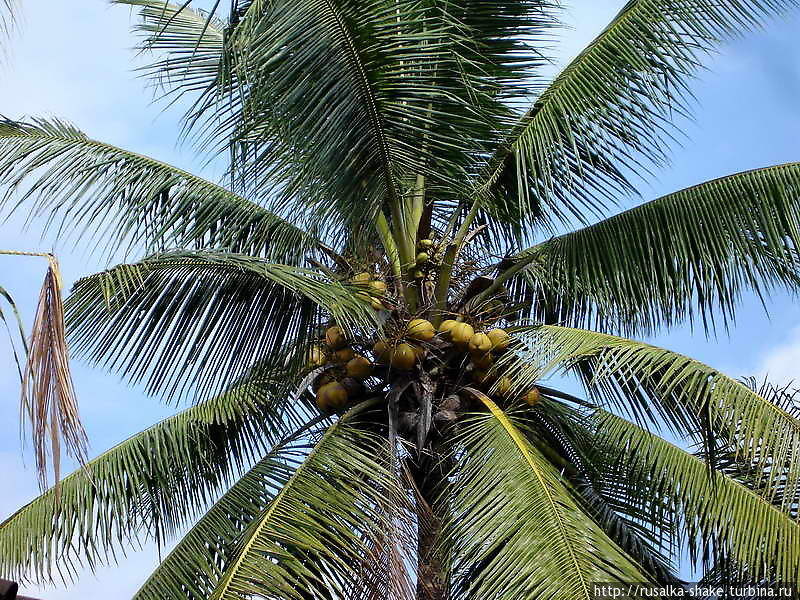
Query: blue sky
pixel 73 60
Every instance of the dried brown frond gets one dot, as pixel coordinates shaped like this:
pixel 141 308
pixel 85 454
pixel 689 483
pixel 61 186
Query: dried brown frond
pixel 49 404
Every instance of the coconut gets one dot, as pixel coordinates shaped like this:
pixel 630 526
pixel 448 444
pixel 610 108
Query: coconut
pixel 479 344
pixel 376 304
pixel 362 278
pixel 500 339
pixel 316 357
pixel 331 396
pixel 425 243
pixel 359 367
pixel 422 258
pixel 381 352
pixel 403 357
pixel 377 287
pixel 461 334
pixel 420 329
pixel 533 396
pixel 335 338
pixel 503 387
pixel 418 274
pixel 321 380
pixel 447 326
pixel 344 355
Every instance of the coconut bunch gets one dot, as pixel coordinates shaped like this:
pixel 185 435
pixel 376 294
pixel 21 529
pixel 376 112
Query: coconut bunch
pixel 429 366
pixel 447 359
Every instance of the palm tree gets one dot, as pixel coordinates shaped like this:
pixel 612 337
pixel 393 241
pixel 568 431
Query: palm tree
pixel 365 317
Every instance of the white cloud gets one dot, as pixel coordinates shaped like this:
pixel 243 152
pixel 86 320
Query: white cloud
pixel 781 365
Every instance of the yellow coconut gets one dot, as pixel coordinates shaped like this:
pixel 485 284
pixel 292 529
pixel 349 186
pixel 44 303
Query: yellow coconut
pixel 335 338
pixel 500 339
pixel 343 355
pixel 362 278
pixel 377 287
pixel 425 243
pixel 461 334
pixel 480 344
pixel 403 357
pixel 381 351
pixel 503 387
pixel 316 357
pixel 376 304
pixel 533 396
pixel 360 367
pixel 331 396
pixel 420 329
pixel 446 327
pixel 322 380
pixel 422 258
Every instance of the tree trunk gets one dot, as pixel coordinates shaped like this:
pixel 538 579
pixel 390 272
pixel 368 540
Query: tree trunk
pixel 431 572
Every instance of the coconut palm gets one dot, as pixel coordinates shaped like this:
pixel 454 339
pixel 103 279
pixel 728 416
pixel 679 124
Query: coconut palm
pixel 372 319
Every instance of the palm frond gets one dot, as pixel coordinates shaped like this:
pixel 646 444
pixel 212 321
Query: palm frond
pixel 18 337
pixel 148 487
pixel 93 189
pixel 312 539
pixel 375 78
pixel 661 263
pixel 658 386
pixel 193 568
pixel 516 528
pixel 610 112
pixel 646 534
pixel 187 44
pixel 719 515
pixel 48 395
pixel 191 322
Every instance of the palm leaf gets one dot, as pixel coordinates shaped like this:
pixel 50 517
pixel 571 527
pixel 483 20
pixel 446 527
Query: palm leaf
pixel 312 539
pixel 610 110
pixel 195 565
pixel 48 395
pixel 657 386
pixel 92 188
pixel 694 251
pixel 190 323
pixel 146 488
pixel 723 516
pixel 19 333
pixel 516 529
pixel 187 43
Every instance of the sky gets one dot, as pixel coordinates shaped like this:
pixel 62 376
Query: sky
pixel 74 60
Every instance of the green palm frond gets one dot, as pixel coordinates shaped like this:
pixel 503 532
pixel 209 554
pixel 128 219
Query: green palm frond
pixel 718 514
pixel 195 565
pixel 694 251
pixel 148 487
pixel 187 44
pixel 657 386
pixel 516 528
pixel 314 537
pixel 192 322
pixel 15 337
pixel 611 110
pixel 90 188
pixel 647 535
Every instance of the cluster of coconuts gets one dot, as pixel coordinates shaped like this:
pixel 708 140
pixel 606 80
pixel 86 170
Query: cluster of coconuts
pixel 344 379
pixel 425 252
pixel 482 349
pixel 374 289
